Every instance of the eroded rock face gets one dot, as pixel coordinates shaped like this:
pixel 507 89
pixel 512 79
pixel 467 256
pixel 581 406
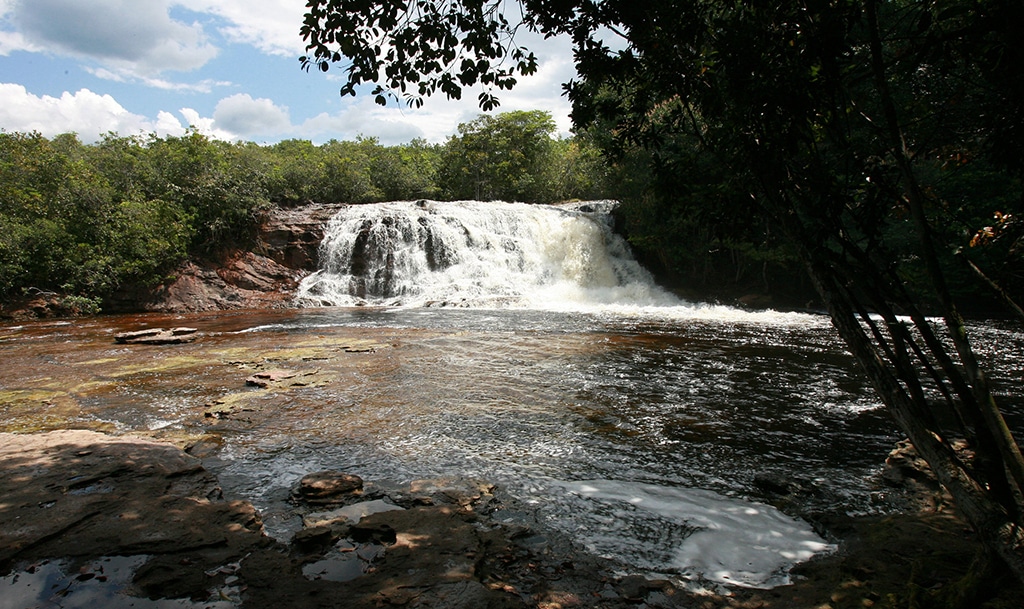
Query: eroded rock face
pixel 265 277
pixel 291 237
pixel 239 280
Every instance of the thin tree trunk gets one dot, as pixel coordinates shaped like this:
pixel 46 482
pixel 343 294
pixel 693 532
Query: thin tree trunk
pixel 993 418
pixel 998 289
pixel 996 528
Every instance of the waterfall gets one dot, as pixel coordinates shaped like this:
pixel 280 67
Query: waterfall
pixel 477 254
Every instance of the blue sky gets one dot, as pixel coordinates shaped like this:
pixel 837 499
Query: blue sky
pixel 226 67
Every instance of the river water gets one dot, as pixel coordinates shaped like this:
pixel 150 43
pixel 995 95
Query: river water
pixel 636 427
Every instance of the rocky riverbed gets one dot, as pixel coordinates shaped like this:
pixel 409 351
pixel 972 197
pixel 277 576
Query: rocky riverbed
pixel 90 519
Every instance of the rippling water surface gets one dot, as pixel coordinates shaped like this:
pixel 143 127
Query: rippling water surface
pixel 640 433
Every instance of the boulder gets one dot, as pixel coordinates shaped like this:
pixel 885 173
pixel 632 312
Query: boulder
pixel 328 487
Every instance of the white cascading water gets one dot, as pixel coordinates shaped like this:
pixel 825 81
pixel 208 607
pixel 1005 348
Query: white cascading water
pixel 478 254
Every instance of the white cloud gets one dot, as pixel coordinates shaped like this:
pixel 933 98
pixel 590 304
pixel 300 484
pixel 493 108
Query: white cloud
pixel 203 86
pixel 272 26
pixel 126 36
pixel 14 41
pixel 167 124
pixel 86 113
pixel 388 127
pixel 206 126
pixel 543 90
pixel 244 116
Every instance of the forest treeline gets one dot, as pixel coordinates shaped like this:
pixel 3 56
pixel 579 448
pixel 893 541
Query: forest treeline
pixel 85 220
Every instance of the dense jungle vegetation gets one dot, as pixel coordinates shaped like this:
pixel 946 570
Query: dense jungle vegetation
pixel 85 220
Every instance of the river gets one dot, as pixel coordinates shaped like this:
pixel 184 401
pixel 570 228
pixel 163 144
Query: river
pixel 639 428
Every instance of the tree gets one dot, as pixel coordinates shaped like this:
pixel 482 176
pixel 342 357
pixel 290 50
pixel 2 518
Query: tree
pixel 505 157
pixel 839 125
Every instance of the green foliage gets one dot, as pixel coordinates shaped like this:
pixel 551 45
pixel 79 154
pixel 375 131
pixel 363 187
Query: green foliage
pixel 418 49
pixel 504 157
pixel 88 220
pixel 513 157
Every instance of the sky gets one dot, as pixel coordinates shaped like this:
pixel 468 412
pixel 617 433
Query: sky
pixel 228 68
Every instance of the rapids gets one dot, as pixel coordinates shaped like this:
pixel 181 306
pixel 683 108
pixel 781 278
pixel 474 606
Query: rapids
pixel 634 423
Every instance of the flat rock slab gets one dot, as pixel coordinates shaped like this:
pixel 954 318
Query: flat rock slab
pixel 157 336
pixel 265 378
pixel 83 493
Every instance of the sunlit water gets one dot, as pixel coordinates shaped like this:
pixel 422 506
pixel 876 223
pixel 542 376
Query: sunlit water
pixel 629 421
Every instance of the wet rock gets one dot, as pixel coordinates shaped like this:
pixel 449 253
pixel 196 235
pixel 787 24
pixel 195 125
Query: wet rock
pixel 349 514
pixel 557 599
pixel 283 380
pixel 157 336
pixel 903 464
pixel 906 470
pixel 315 539
pixel 229 406
pixel 327 487
pixel 205 446
pixel 635 588
pixel 445 491
pixel 781 485
pixel 755 301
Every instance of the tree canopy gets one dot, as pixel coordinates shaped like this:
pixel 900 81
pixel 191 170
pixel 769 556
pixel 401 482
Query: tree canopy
pixel 872 140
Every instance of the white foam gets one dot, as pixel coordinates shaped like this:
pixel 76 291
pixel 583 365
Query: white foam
pixel 736 542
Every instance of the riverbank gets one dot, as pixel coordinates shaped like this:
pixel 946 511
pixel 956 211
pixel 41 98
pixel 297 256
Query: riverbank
pixel 74 500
